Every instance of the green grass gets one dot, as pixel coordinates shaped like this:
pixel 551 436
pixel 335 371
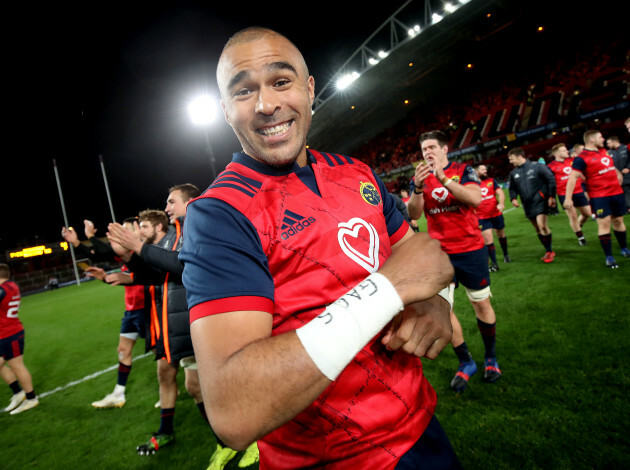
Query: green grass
pixel 561 341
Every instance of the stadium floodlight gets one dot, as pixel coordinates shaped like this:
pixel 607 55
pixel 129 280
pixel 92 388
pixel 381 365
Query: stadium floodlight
pixel 413 31
pixel 202 110
pixel 382 54
pixel 449 7
pixel 346 80
pixel 373 61
pixel 436 18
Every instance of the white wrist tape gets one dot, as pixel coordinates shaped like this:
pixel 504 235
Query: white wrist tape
pixel 335 337
pixel 448 294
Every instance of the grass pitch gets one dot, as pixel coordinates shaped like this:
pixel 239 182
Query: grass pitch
pixel 562 336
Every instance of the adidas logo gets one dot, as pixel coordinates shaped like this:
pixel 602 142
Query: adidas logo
pixel 293 223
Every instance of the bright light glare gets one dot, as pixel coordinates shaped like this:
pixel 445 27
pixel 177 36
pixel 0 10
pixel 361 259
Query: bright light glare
pixel 202 110
pixel 436 18
pixel 450 7
pixel 373 61
pixel 413 31
pixel 346 80
pixel 382 54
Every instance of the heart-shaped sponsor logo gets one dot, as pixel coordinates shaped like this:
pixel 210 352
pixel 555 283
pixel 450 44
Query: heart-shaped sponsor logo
pixel 566 170
pixel 350 236
pixel 605 161
pixel 484 192
pixel 439 194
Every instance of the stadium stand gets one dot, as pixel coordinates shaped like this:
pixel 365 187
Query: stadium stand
pixel 588 89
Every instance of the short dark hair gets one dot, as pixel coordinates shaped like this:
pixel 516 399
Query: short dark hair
pixel 5 271
pixel 518 151
pixel 188 190
pixel 155 217
pixel 437 135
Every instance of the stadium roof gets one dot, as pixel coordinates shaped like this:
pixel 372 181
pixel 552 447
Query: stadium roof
pixel 487 33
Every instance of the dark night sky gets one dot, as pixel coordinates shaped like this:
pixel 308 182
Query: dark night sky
pixel 114 79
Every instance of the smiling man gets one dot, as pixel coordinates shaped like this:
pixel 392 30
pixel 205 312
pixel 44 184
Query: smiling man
pixel 297 269
pixel 448 193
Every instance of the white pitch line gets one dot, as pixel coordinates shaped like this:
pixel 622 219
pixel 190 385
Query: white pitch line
pixel 86 378
pixel 101 372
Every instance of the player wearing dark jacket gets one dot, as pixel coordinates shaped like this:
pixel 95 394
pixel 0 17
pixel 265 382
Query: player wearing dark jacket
pixel 536 185
pixel 158 265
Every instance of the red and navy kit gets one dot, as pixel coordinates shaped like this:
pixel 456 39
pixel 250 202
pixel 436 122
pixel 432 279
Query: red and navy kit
pixel 561 171
pixel 453 223
pixel 488 207
pixel 290 242
pixel 600 173
pixel 10 297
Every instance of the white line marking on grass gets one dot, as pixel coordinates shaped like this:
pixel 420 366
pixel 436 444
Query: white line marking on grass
pixel 86 378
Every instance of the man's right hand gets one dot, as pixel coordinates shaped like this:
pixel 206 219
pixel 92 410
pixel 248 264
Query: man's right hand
pixel 421 174
pixel 96 272
pixel 70 236
pixel 568 203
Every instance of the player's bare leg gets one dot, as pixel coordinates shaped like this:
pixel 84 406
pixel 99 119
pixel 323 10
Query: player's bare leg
pixel 117 399
pixel 24 378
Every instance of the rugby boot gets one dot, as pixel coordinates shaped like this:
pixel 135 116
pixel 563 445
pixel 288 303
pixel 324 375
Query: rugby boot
pixel 221 457
pixel 250 457
pixel 549 256
pixel 113 400
pixel 611 263
pixel 492 372
pixel 16 399
pixel 156 442
pixel 465 371
pixel 26 405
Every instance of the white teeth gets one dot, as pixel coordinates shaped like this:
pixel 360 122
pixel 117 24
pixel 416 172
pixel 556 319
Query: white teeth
pixel 275 130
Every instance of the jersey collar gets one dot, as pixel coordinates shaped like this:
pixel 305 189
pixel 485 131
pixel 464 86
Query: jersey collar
pixel 269 170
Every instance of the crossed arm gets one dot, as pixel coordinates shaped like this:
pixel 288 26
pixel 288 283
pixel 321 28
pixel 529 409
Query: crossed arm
pixel 253 383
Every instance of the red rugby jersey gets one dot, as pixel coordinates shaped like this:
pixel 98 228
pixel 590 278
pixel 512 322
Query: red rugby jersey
pixel 454 224
pixel 561 171
pixel 317 247
pixel 10 324
pixel 599 171
pixel 134 295
pixel 488 207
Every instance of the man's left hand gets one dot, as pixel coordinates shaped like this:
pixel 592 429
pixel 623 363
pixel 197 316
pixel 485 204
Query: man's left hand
pixel 125 238
pixel 423 328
